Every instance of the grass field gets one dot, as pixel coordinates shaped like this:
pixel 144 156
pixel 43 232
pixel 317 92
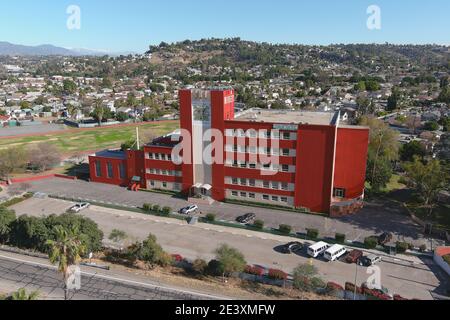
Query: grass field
pixel 74 141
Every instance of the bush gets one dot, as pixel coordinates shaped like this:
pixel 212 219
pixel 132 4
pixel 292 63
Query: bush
pixel 258 224
pixel 150 252
pixel 312 233
pixel 29 233
pixel 371 242
pixel 156 208
pixel 230 260
pixel 117 235
pixel 285 229
pixel 277 274
pixel 255 270
pixel 214 268
pixel 340 238
pixel 423 248
pixel 147 207
pixel 7 217
pixel 402 247
pixel 166 211
pixel 305 277
pixel 210 217
pixel 447 258
pixel 177 257
pixel 351 288
pixel 199 266
pixel 332 286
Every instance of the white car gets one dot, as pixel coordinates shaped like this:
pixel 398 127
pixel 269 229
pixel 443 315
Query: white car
pixel 189 210
pixel 80 207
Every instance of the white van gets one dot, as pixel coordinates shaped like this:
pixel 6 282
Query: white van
pixel 316 249
pixel 334 253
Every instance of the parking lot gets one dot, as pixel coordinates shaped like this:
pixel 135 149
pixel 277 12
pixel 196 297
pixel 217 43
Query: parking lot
pixel 376 218
pixel 413 279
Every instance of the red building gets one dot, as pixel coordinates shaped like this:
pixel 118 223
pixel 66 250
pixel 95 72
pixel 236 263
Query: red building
pixel 288 158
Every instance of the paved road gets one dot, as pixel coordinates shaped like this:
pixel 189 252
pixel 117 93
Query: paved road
pixel 34 274
pixel 29 130
pixel 376 218
pixel 412 279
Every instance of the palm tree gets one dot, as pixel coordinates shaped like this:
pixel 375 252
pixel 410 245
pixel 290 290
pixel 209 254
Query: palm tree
pixel 99 111
pixel 22 295
pixel 66 251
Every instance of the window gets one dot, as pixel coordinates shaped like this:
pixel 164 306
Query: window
pixel 339 193
pixel 266 166
pixel 151 155
pixel 286 152
pixel 152 183
pixel 276 135
pixel 243 165
pixel 243 182
pixel 252 149
pixel 235 163
pixel 266 197
pixel 177 187
pixel 275 198
pixel 284 186
pixel 252 165
pixel 169 157
pixel 285 168
pixel 234 193
pixel 234 181
pixel 153 171
pixel 252 195
pixel 252 182
pixel 252 133
pixel 286 136
pixel 235 148
pixel 275 185
pixel 266 184
pixel 164 184
pixel 244 194
pixel 164 173
pixel 156 156
pixel 284 199
pixel 98 168
pixel 122 172
pixel 267 134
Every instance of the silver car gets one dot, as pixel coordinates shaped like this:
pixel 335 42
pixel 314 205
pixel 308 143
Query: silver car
pixel 79 207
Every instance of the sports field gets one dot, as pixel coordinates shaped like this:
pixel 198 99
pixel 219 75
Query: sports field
pixel 78 140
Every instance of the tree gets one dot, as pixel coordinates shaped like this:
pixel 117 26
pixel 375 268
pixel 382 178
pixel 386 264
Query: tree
pixel 427 179
pixel 132 102
pixel 150 252
pixel 11 159
pixel 7 217
pixel 44 156
pixel 230 260
pixel 22 295
pixel 444 96
pixel 305 277
pixel 117 235
pixel 394 100
pixel 69 87
pixel 99 111
pixel 383 150
pixel 29 233
pixel 431 126
pixel 66 251
pixel 410 150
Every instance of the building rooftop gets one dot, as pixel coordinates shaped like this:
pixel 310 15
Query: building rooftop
pixel 287 116
pixel 115 154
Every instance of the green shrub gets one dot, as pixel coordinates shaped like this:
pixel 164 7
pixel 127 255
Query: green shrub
pixel 447 258
pixel 371 242
pixel 312 233
pixel 156 208
pixel 340 238
pixel 150 251
pixel 258 224
pixel 117 235
pixel 166 211
pixel 210 217
pixel 423 248
pixel 402 247
pixel 147 207
pixel 214 268
pixel 7 217
pixel 199 266
pixel 285 229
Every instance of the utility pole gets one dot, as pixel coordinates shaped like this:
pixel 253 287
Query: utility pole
pixel 356 279
pixel 138 145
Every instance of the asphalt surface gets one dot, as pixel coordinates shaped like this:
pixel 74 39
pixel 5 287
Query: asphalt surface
pixel 414 278
pixel 33 129
pixel 22 272
pixel 374 219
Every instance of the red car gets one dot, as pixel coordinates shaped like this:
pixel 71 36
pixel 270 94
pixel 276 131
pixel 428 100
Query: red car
pixel 354 256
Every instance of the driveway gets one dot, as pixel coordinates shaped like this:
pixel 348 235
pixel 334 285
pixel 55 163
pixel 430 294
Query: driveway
pixel 414 278
pixel 375 218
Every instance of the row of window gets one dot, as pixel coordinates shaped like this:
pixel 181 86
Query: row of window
pixel 274 185
pixel 255 149
pixel 110 170
pixel 164 185
pixel 160 156
pixel 252 133
pixel 271 167
pixel 162 172
pixel 265 197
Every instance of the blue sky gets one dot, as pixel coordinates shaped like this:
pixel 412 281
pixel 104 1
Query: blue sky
pixel 131 25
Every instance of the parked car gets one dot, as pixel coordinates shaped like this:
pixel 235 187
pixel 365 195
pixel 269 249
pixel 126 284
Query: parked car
pixel 370 260
pixel 291 247
pixel 384 238
pixel 246 218
pixel 334 252
pixel 317 249
pixel 79 207
pixel 189 210
pixel 353 256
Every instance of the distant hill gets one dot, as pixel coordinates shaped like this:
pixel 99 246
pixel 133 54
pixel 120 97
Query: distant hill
pixel 10 49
